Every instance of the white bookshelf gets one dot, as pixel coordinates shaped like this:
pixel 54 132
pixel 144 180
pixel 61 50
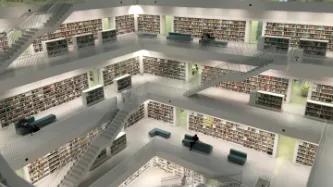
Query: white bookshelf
pixel 125 24
pixel 267 100
pixel 164 68
pixel 68 30
pixel 58 158
pixel 40 99
pixel 313 47
pixel 93 95
pixel 56 47
pixel 149 23
pixel 110 72
pixel 118 145
pixel 107 36
pixel 160 111
pixel 273 44
pixel 306 153
pixel 230 30
pixel 253 138
pixel 300 31
pixel 319 110
pixel 123 82
pixel 136 116
pixel 322 93
pixel 3 42
pixel 261 82
pixel 83 41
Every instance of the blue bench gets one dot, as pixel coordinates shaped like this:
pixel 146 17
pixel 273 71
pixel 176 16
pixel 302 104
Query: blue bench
pixel 42 122
pixel 147 35
pixel 180 37
pixel 237 157
pixel 29 128
pixel 159 132
pixel 213 42
pixel 200 146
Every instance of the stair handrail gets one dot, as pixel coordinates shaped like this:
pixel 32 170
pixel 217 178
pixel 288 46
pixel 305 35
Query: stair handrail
pixel 127 107
pixel 29 21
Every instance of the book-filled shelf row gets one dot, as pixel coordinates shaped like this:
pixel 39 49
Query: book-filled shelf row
pixel 161 112
pixel 164 68
pixel 40 99
pixel 192 178
pixel 249 137
pixel 260 82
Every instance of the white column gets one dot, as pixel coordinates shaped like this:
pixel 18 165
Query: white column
pixel 310 91
pixel 276 144
pixel 174 116
pixel 296 150
pixel 289 90
pixel 146 108
pixel 112 23
pixel 263 28
pixel 188 120
pixel 162 25
pixel 141 68
pixel 136 22
pixel 188 71
pixel 247 31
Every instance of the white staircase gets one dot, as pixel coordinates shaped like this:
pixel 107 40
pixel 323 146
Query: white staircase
pixel 75 175
pixel 9 178
pixel 232 76
pixel 31 27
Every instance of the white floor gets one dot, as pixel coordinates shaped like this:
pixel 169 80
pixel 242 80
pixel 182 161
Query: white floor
pixel 8 137
pixel 150 178
pixel 281 172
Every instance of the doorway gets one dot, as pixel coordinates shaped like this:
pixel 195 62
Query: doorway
pixel 181 118
pixel 299 92
pixel 286 147
pixel 256 31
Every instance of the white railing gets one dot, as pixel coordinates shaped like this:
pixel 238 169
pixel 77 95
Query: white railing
pixel 163 149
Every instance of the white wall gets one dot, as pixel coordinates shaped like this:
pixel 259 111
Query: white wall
pixel 41 83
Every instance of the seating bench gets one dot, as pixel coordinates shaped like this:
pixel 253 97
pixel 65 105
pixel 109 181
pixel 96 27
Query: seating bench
pixel 42 122
pixel 180 37
pixel 217 43
pixel 237 157
pixel 159 132
pixel 200 146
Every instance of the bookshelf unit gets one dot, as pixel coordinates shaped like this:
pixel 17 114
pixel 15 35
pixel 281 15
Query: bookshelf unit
pixel 118 145
pixel 220 29
pixel 3 42
pixel 56 47
pixel 260 82
pixel 107 36
pixel 164 68
pixel 192 177
pixel 68 30
pixel 83 41
pixel 110 72
pixel 136 116
pixel 125 24
pixel 306 153
pixel 123 82
pixel 243 135
pixel 300 31
pixel 274 44
pixel 149 23
pixel 57 159
pixel 268 100
pixel 322 93
pixel 40 99
pixel 93 95
pixel 160 111
pixel 319 110
pixel 314 47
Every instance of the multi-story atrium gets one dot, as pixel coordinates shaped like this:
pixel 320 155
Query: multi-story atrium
pixel 98 93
